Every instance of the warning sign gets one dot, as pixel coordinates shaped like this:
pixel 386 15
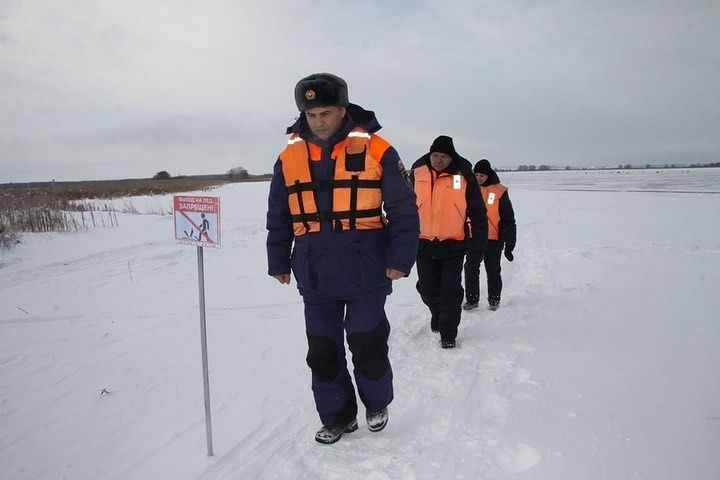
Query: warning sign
pixel 197 220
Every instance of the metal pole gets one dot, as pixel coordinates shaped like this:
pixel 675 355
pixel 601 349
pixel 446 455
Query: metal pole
pixel 203 341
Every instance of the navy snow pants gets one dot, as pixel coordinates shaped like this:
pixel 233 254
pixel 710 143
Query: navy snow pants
pixel 363 319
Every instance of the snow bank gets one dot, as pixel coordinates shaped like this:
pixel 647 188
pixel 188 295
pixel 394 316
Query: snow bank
pixel 602 361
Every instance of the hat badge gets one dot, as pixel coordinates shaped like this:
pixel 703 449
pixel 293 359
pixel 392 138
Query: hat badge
pixel 310 94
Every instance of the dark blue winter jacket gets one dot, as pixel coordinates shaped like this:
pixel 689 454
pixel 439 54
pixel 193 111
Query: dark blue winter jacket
pixel 350 263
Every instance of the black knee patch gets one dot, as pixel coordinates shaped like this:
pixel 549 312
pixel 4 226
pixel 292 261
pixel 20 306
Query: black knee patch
pixel 322 358
pixel 370 351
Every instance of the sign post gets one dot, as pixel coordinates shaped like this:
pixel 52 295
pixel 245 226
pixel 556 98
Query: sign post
pixel 197 222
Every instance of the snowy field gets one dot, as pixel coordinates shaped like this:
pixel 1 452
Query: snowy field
pixel 602 362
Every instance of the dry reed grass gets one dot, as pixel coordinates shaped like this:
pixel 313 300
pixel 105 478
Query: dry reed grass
pixel 64 207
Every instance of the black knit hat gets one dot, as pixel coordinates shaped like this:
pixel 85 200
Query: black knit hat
pixel 443 144
pixel 483 166
pixel 321 90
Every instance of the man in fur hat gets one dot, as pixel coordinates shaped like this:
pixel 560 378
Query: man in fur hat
pixel 342 216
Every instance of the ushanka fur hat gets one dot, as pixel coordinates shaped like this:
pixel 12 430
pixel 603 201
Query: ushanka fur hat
pixel 321 90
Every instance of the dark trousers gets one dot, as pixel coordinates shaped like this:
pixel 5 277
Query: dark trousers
pixel 440 287
pixel 367 327
pixel 493 252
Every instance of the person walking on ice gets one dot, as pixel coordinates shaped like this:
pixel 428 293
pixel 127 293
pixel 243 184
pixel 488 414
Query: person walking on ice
pixel 342 217
pixel 447 197
pixel 501 233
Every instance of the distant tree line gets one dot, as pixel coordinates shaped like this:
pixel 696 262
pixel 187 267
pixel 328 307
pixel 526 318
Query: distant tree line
pixel 532 168
pixel 627 166
pixel 236 173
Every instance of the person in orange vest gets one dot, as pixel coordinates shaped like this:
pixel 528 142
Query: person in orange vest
pixel 447 196
pixel 342 217
pixel 502 232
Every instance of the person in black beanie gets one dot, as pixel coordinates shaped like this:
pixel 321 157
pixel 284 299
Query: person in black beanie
pixel 501 231
pixel 447 195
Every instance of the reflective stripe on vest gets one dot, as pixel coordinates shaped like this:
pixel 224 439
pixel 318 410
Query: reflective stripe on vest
pixel 355 187
pixel 492 194
pixel 442 204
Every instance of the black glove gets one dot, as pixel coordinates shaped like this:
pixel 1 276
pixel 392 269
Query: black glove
pixel 509 255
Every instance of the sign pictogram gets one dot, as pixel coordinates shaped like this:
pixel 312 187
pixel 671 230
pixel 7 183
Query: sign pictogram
pixel 197 220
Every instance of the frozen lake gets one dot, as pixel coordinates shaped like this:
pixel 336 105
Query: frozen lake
pixel 675 179
pixel 601 363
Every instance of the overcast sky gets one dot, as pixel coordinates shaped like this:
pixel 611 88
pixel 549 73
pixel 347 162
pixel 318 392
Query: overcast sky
pixel 125 88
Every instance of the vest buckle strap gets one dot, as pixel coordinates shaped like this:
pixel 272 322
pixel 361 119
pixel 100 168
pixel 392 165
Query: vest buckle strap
pixel 322 185
pixel 329 215
pixel 326 216
pixel 359 183
pixel 346 215
pixel 298 187
pixel 328 184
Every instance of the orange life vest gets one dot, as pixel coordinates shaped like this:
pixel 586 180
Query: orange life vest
pixel 355 186
pixel 491 195
pixel 442 205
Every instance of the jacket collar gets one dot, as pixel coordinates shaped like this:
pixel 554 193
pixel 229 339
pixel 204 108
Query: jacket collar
pixel 457 165
pixel 492 180
pixel 356 117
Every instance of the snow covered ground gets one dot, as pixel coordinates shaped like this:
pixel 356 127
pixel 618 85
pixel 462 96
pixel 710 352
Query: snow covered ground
pixel 602 362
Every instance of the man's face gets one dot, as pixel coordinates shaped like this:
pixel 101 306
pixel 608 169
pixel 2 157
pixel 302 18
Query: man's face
pixel 440 161
pixel 481 178
pixel 324 122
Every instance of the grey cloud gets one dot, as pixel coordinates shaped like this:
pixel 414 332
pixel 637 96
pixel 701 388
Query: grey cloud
pixel 178 130
pixel 565 83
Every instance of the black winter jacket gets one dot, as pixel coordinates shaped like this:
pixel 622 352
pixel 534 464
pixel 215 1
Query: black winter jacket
pixel 507 227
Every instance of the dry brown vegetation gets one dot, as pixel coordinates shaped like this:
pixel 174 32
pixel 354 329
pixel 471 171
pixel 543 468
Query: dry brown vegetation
pixel 50 206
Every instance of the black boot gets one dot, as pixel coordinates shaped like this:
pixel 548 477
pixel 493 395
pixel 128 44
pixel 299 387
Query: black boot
pixel 447 343
pixel 328 435
pixel 470 305
pixel 471 302
pixel 493 303
pixel 377 420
